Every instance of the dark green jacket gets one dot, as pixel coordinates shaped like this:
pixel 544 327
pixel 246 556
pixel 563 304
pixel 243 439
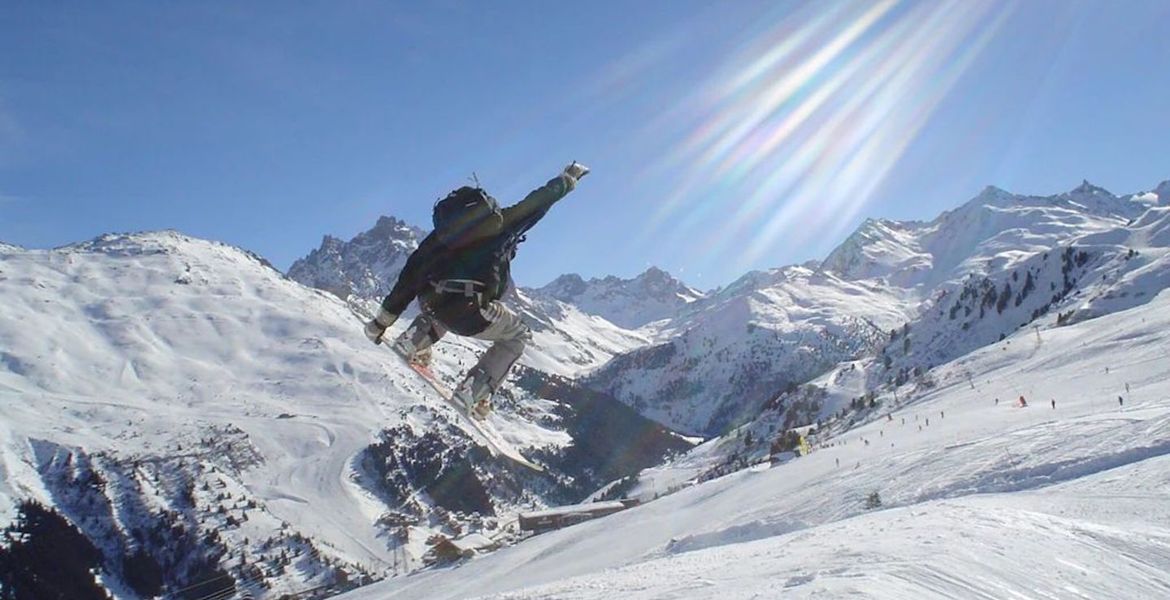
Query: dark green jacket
pixel 486 259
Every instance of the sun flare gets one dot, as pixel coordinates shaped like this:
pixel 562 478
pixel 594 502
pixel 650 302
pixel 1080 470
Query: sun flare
pixel 788 141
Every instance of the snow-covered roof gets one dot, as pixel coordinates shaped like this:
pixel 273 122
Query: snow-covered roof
pixel 473 541
pixel 574 508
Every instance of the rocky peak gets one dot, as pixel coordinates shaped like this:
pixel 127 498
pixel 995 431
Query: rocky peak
pixel 566 287
pixel 1088 189
pixel 659 283
pixel 331 243
pixel 655 274
pixel 1163 192
pixel 365 266
pixel 391 227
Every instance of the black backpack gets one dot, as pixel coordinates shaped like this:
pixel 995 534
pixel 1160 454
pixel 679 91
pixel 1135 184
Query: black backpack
pixel 465 211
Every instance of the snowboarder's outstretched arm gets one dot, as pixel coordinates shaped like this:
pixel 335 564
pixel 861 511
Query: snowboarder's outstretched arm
pixel 521 216
pixel 411 282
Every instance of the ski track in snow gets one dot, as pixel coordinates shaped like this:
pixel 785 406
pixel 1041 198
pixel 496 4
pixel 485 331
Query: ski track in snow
pixel 987 501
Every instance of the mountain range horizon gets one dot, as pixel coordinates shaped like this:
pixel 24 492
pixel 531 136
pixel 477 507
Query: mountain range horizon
pixel 265 416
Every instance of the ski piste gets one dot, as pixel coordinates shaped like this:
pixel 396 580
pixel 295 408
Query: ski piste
pixel 492 440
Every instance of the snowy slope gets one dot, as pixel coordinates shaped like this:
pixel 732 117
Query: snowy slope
pixel 566 339
pixel 1140 263
pixel 630 303
pixel 1093 275
pixel 734 350
pixel 187 354
pixel 987 500
pixel 155 378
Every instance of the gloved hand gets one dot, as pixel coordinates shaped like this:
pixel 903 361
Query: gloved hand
pixel 376 328
pixel 576 170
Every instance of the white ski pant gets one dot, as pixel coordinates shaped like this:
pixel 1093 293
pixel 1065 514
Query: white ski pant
pixel 505 329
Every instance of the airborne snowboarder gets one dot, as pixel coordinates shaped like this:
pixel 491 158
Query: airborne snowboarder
pixel 459 273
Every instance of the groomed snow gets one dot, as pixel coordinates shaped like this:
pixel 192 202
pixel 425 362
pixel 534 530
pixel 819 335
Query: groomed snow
pixel 987 500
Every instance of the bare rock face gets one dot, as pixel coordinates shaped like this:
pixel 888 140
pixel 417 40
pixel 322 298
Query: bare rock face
pixel 365 266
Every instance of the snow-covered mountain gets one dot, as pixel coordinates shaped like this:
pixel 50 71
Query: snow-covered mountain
pixel 365 266
pixel 1096 275
pixel 198 417
pixel 183 414
pixel 567 340
pixel 946 494
pixel 987 233
pixel 739 347
pixel 630 303
pixel 727 355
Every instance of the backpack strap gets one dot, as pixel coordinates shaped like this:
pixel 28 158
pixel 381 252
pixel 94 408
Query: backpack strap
pixel 469 288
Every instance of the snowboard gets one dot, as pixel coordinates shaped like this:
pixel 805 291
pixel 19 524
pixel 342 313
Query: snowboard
pixel 494 442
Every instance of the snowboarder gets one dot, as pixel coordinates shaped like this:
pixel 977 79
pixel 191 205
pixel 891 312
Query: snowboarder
pixel 1023 403
pixel 459 273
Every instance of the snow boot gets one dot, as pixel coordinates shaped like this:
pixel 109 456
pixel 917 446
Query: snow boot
pixel 475 393
pixel 415 343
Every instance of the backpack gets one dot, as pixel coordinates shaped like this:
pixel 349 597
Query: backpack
pixel 464 210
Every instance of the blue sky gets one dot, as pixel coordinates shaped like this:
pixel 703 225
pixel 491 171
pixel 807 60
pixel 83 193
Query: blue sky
pixel 724 136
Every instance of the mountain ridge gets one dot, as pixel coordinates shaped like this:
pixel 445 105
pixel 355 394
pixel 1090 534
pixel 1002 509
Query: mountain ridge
pixel 651 296
pixel 885 274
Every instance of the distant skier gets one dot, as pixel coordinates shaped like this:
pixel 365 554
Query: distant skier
pixel 459 273
pixel 1121 402
pixel 1054 404
pixel 1023 402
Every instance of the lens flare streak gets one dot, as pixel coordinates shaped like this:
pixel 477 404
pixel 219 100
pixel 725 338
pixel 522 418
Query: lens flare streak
pixel 804 122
